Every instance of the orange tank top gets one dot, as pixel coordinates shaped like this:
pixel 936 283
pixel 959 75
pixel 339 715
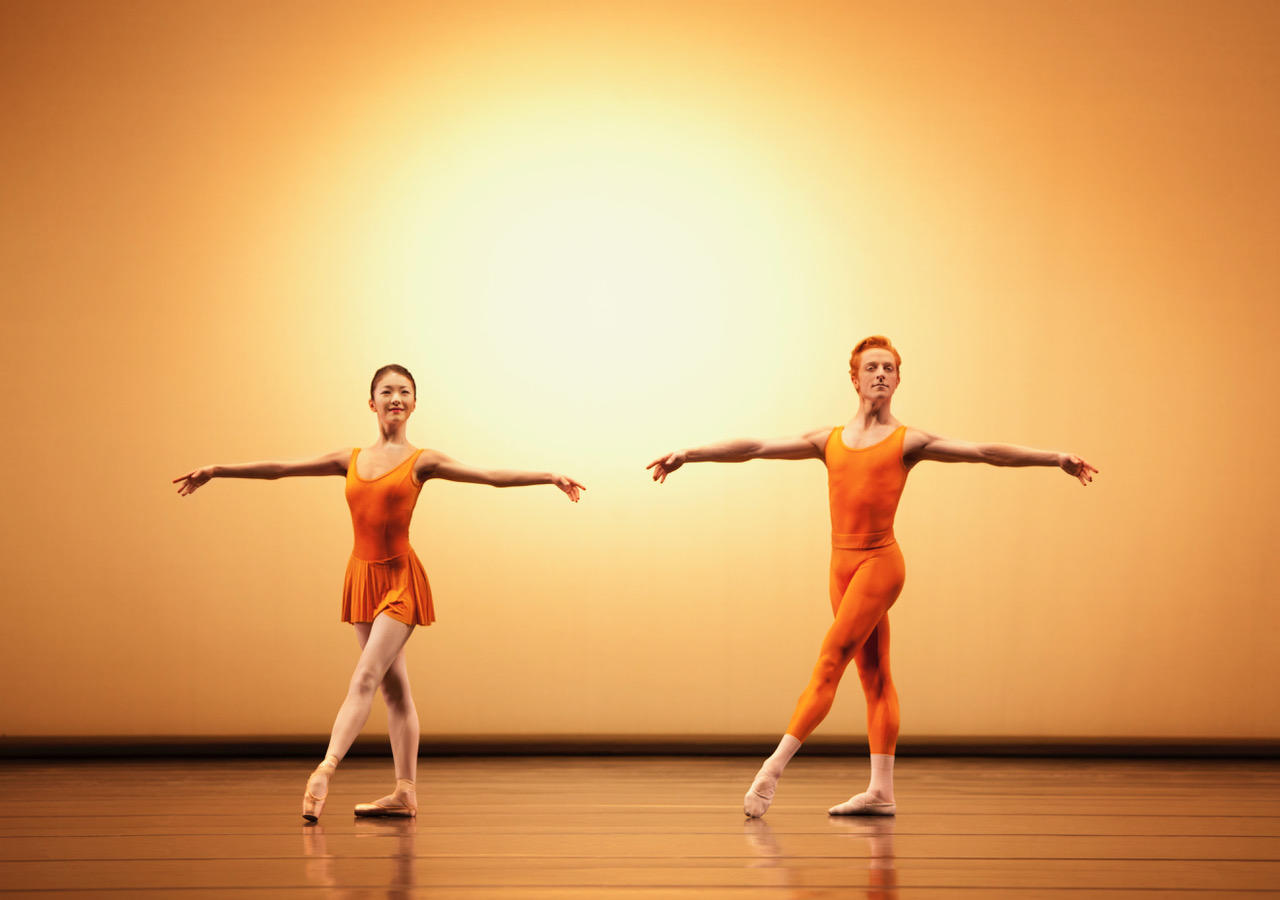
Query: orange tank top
pixel 381 509
pixel 864 486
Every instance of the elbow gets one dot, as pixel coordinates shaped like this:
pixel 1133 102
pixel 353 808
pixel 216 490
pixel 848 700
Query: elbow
pixel 991 455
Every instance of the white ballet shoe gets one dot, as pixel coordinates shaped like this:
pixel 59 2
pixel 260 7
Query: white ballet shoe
pixel 760 795
pixel 864 804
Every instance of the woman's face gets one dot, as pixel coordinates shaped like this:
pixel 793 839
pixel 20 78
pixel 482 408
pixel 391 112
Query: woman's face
pixel 877 374
pixel 393 398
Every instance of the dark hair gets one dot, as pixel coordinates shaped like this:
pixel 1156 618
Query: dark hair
pixel 400 370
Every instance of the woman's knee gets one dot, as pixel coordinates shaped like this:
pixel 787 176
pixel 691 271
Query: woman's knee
pixel 395 690
pixel 364 681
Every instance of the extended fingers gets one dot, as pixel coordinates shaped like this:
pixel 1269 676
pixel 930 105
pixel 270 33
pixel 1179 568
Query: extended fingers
pixel 1086 471
pixel 663 460
pixel 570 486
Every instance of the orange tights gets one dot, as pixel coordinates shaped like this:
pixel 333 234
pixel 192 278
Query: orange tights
pixel 864 584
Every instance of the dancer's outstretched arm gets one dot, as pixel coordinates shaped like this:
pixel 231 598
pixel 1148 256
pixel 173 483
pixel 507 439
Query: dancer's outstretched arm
pixel 804 446
pixel 334 463
pixel 921 445
pixel 434 464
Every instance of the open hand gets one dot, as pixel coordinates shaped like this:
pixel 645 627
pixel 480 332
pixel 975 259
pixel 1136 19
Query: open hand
pixel 573 488
pixel 192 480
pixel 665 465
pixel 1074 465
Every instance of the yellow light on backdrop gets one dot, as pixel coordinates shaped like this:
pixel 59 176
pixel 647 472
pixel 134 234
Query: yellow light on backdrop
pixel 564 246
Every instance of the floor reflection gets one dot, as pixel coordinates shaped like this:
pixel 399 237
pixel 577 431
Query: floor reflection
pixel 882 875
pixel 324 869
pixel 882 881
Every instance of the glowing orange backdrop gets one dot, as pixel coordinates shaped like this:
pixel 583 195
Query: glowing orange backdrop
pixel 599 232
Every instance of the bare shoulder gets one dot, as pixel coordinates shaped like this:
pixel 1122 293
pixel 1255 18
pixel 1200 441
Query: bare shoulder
pixel 335 463
pixel 339 459
pixel 914 443
pixel 428 461
pixel 818 437
pixel 916 439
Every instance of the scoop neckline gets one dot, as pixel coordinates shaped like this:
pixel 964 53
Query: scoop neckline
pixel 356 471
pixel 869 446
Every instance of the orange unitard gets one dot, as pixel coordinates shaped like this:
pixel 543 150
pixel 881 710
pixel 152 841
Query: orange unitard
pixel 384 575
pixel 866 577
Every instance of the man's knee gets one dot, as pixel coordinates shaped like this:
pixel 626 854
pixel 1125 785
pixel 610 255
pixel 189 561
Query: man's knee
pixel 875 678
pixel 831 665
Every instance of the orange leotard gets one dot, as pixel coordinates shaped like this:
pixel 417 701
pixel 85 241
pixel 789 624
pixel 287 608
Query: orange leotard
pixel 384 575
pixel 864 486
pixel 867 573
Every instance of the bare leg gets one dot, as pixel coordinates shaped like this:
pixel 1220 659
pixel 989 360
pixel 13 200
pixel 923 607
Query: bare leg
pixel 402 726
pixel 402 720
pixel 402 714
pixel 386 638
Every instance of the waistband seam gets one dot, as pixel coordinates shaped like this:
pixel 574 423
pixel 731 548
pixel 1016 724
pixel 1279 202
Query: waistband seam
pixel 387 559
pixel 872 540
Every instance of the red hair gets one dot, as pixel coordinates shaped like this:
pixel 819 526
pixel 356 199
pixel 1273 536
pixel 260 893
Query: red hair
pixel 876 341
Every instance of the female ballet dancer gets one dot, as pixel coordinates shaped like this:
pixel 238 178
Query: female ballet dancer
pixel 867 464
pixel 385 592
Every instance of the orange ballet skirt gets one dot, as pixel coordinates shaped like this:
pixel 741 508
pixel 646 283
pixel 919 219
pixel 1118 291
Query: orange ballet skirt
pixel 384 575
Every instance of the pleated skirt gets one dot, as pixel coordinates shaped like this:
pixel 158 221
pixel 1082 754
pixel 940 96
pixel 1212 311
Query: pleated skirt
pixel 397 586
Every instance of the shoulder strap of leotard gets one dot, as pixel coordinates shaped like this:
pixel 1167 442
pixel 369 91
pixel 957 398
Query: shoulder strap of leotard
pixel 413 467
pixel 833 435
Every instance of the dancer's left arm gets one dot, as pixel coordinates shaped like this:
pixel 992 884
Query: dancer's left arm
pixel 434 464
pixel 921 445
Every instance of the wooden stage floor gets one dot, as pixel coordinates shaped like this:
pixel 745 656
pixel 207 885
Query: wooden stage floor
pixel 640 827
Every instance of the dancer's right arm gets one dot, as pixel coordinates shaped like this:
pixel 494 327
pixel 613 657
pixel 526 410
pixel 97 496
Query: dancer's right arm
pixel 334 463
pixel 805 446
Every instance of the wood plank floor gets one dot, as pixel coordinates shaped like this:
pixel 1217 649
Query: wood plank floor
pixel 639 827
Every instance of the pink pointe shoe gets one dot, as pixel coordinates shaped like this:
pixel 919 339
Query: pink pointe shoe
pixel 311 804
pixel 400 803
